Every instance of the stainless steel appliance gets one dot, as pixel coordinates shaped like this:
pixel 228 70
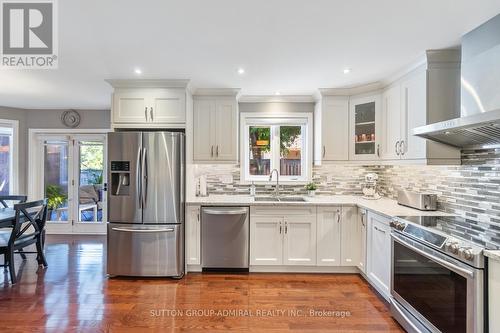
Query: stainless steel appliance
pixel 421 201
pixel 437 276
pixel 479 122
pixel 225 238
pixel 146 204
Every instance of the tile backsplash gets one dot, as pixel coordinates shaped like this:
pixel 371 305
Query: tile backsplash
pixel 471 190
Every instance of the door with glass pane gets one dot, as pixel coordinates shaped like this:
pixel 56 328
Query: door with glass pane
pixel 72 176
pixel 6 159
pixel 365 128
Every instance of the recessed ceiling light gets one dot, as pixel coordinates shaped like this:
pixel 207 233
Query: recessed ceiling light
pixel 241 71
pixel 277 93
pixel 347 70
pixel 138 71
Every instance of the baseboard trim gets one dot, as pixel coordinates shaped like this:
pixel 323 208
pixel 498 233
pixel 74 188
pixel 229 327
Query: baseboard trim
pixel 304 269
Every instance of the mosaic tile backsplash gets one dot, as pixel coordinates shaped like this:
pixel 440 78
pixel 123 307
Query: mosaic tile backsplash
pixel 471 190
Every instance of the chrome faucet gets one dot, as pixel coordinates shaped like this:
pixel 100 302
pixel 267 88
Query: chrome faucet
pixel 277 188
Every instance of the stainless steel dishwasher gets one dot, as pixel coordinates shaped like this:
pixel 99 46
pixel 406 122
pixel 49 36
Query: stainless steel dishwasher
pixel 225 238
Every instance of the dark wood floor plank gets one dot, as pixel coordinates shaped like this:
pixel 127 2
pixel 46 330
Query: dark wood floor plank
pixel 74 295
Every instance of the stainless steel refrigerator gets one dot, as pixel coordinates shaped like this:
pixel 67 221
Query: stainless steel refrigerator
pixel 146 172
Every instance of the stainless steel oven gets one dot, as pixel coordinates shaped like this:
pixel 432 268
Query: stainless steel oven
pixel 432 291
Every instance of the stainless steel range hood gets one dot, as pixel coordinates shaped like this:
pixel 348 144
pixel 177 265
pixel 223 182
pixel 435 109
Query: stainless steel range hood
pixel 479 122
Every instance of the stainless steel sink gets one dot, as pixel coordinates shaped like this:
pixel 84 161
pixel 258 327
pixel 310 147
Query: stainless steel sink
pixel 292 199
pixel 267 199
pixel 281 199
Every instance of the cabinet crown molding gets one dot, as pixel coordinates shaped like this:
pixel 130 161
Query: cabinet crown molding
pixel 148 83
pixel 349 91
pixel 277 99
pixel 216 92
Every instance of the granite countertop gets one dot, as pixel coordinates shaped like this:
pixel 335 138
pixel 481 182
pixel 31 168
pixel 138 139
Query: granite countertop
pixel 383 206
pixel 492 254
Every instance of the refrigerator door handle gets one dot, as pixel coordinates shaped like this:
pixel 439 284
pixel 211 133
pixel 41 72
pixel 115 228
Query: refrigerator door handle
pixel 144 184
pixel 143 230
pixel 138 177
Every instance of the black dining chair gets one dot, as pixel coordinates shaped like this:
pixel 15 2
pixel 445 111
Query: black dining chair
pixel 5 198
pixel 28 229
pixel 4 201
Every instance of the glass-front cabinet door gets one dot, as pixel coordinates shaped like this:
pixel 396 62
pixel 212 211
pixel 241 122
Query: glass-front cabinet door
pixel 364 141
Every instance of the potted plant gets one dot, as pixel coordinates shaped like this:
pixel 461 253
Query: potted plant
pixel 55 198
pixel 311 189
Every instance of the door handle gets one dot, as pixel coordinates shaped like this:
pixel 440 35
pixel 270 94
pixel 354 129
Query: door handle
pixel 143 230
pixel 151 113
pixel 225 212
pixel 382 231
pixel 138 177
pixel 144 185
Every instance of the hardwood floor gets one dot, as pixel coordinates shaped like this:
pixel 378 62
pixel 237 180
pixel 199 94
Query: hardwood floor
pixel 74 295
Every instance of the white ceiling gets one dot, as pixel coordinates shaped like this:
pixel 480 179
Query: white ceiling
pixel 294 46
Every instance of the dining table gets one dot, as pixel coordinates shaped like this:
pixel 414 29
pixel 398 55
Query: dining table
pixel 7 217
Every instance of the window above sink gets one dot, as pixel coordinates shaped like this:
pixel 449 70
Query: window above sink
pixel 281 142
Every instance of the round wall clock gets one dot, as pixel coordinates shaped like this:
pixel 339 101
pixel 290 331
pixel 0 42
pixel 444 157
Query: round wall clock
pixel 70 118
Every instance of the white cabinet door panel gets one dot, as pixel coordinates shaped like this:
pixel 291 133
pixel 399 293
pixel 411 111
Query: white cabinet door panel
pixel 391 120
pixel 204 130
pixel 350 237
pixel 335 129
pixel 328 236
pixel 193 235
pixel 169 106
pixel 299 244
pixel 130 106
pixel 414 114
pixel 379 252
pixel 226 134
pixel 266 240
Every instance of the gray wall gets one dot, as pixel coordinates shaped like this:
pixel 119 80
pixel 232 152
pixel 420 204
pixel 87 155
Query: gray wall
pixel 276 107
pixel 47 119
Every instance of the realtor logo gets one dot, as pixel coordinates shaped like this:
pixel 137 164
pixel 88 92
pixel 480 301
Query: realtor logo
pixel 29 34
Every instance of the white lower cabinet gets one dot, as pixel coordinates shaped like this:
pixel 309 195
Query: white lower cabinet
pixel 193 242
pixel 350 238
pixel 328 236
pixel 379 253
pixel 283 236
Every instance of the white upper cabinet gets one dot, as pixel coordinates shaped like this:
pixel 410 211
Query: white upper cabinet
pixel 215 129
pixel 428 94
pixel 148 103
pixel 365 127
pixel 331 119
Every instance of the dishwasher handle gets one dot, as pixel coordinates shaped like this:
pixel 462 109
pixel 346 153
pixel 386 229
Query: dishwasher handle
pixel 215 211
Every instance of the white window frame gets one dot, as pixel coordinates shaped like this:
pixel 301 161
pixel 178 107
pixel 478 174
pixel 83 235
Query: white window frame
pixel 14 160
pixel 305 120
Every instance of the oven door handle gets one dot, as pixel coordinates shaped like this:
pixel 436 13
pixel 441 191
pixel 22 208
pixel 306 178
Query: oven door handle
pixel 455 268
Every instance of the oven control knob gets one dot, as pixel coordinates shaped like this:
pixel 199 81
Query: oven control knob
pixel 466 253
pixel 452 246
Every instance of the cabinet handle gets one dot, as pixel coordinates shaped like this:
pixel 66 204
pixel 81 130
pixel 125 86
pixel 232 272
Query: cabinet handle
pixel 217 151
pixel 363 216
pixel 146 113
pixel 151 113
pixel 396 146
pixel 198 215
pixel 212 151
pixel 286 227
pixel 402 147
pixel 324 151
pixel 378 150
pixel 382 231
pixel 280 227
pixel 338 215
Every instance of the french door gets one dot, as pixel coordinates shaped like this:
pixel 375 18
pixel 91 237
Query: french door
pixel 71 175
